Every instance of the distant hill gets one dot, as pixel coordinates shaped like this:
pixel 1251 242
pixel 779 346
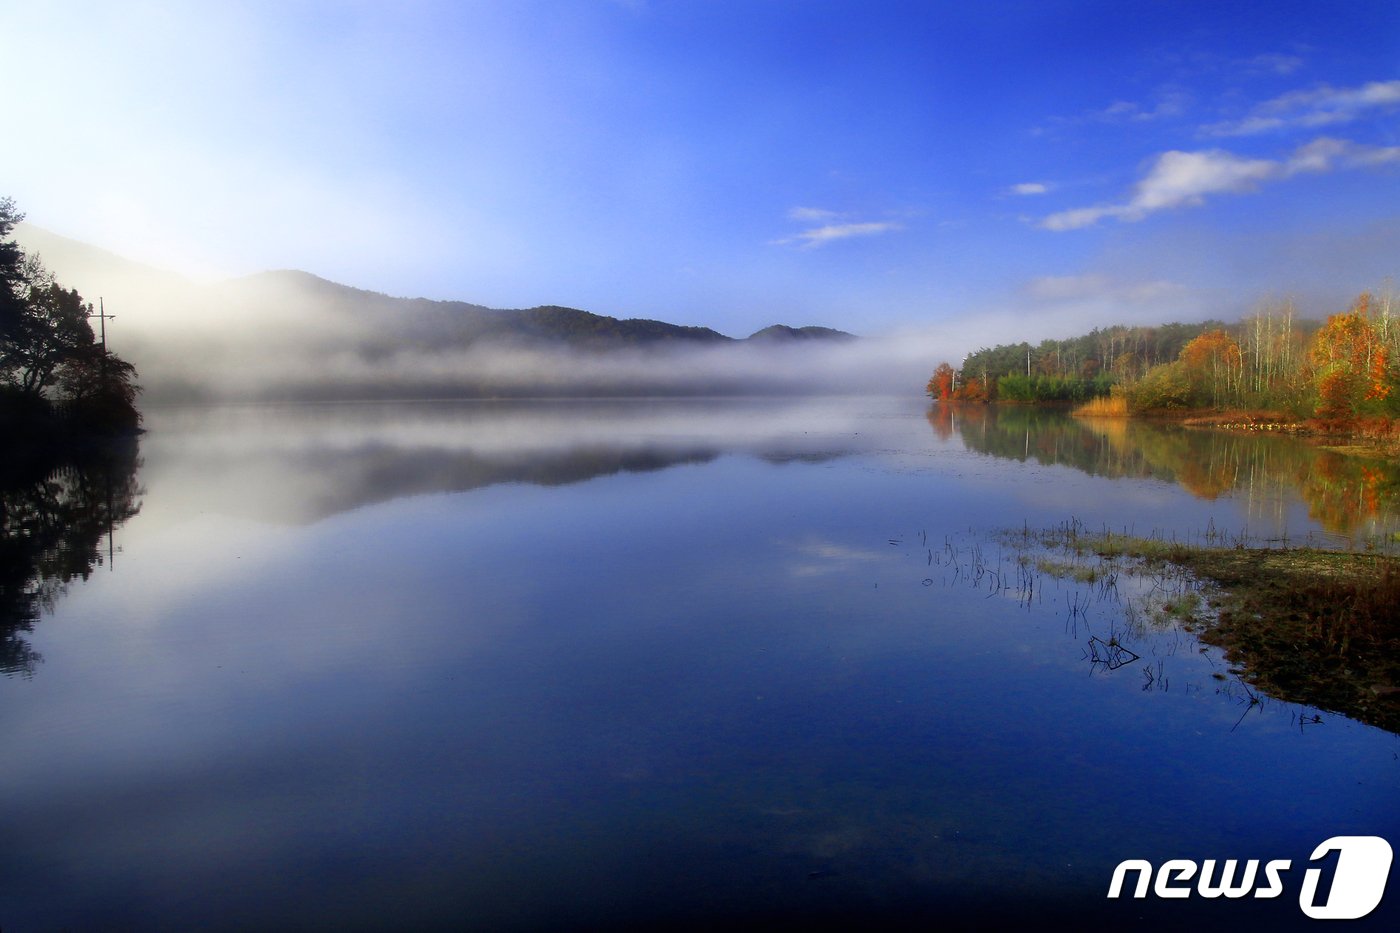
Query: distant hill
pixel 780 332
pixel 274 334
pixel 424 323
pixel 416 322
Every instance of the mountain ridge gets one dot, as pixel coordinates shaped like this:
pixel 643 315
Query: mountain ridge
pixel 80 265
pixel 292 334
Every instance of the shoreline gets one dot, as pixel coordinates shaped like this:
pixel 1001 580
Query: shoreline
pixel 1316 627
pixel 1366 438
pixel 1374 438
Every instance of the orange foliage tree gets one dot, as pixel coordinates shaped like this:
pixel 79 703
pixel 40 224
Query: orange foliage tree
pixel 1214 367
pixel 973 390
pixel 941 385
pixel 1350 363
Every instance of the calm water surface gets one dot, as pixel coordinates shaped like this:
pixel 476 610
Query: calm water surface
pixel 571 665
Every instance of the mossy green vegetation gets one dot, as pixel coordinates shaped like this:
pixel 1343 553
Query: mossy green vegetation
pixel 1306 625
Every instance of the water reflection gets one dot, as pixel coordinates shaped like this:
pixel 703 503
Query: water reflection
pixel 1344 494
pixel 301 464
pixel 714 693
pixel 56 525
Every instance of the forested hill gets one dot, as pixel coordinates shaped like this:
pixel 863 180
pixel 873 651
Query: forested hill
pixel 1102 350
pixel 421 323
pixel 778 333
pixel 292 334
pixel 384 323
pixel 1344 371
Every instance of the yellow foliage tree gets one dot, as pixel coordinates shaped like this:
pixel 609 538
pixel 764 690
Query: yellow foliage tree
pixel 1214 367
pixel 1349 361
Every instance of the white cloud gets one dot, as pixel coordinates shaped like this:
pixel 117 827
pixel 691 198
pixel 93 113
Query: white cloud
pixel 1185 179
pixel 1029 188
pixel 829 231
pixel 832 226
pixel 819 236
pixel 1274 63
pixel 1369 156
pixel 1170 103
pixel 1320 106
pixel 811 214
pixel 1078 217
pixel 1176 179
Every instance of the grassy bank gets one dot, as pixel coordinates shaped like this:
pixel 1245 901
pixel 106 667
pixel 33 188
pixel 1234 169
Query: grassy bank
pixel 1310 626
pixel 1364 437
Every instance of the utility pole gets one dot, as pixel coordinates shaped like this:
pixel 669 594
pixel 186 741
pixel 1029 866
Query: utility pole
pixel 103 317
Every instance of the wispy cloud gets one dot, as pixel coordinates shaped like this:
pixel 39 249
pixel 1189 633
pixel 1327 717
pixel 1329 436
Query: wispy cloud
pixel 1310 109
pixel 1186 179
pixel 1030 188
pixel 1170 103
pixel 811 214
pixel 1274 63
pixel 1176 179
pixel 819 236
pixel 831 232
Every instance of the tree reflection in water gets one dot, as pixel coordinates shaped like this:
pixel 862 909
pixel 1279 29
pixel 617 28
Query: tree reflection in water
pixel 56 523
pixel 1344 494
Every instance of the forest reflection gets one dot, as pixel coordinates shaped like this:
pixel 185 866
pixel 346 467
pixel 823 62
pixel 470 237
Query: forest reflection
pixel 56 525
pixel 1344 494
pixel 303 464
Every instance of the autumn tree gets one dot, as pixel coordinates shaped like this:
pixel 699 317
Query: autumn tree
pixel 1350 363
pixel 1213 366
pixel 974 389
pixel 941 385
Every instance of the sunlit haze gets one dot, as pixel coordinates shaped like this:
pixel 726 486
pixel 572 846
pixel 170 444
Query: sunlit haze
pixel 965 169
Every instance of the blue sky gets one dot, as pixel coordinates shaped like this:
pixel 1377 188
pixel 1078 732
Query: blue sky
pixel 869 166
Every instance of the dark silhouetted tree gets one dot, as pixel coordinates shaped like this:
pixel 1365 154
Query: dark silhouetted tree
pixel 100 389
pixel 47 345
pixel 52 327
pixel 11 261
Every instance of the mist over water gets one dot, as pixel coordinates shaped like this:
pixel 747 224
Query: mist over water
pixel 290 335
pixel 524 664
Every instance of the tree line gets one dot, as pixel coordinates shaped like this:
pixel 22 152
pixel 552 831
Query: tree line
pixel 1340 371
pixel 54 373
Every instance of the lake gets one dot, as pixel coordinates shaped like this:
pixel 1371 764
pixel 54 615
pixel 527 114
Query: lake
pixel 670 663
